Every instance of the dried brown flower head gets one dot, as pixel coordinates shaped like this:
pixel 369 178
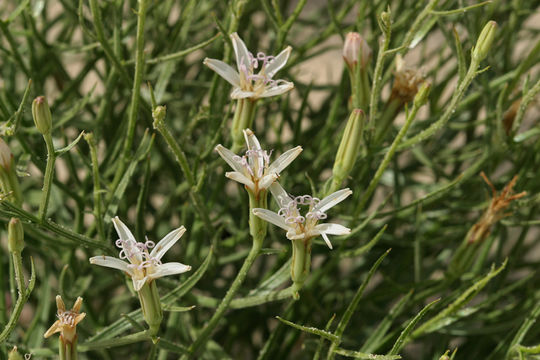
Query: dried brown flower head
pixel 67 321
pixel 406 82
pixel 495 211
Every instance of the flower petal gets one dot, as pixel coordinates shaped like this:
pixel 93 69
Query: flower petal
pixel 165 244
pixel 236 176
pixel 332 200
pixel 123 232
pixel 169 269
pixel 279 194
pixel 229 157
pixel 327 240
pixel 267 180
pixel 291 235
pixel 77 306
pixel 279 61
pixel 53 329
pixel 271 217
pixel 241 52
pixel 224 70
pixel 111 262
pixel 238 93
pixel 284 160
pixel 275 90
pixel 256 157
pixel 251 140
pixel 332 229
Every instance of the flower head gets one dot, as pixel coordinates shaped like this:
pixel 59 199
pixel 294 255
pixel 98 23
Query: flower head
pixel 67 321
pixel 144 265
pixel 304 227
pixel 247 83
pixel 253 169
pixel 406 82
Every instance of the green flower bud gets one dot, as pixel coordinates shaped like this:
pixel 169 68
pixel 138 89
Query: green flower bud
pixel 484 42
pixel 15 236
pixel 42 115
pixel 349 146
pixel 300 263
pixel 422 95
pixel 14 354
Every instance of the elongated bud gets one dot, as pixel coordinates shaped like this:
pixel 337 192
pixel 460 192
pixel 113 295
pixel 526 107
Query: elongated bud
pixel 422 95
pixel 484 42
pixel 42 115
pixel 6 157
pixel 15 236
pixel 356 49
pixel 349 146
pixel 14 354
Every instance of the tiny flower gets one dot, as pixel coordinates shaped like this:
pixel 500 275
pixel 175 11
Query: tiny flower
pixel 143 266
pixel 253 169
pixel 246 83
pixel 304 227
pixel 67 321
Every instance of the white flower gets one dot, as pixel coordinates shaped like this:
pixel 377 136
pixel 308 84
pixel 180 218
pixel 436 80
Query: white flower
pixel 246 83
pixel 304 227
pixel 254 169
pixel 143 266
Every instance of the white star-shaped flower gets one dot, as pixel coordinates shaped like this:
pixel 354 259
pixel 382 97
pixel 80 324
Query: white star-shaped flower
pixel 246 83
pixel 301 227
pixel 254 169
pixel 143 266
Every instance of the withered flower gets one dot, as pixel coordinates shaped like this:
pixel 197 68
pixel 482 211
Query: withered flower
pixel 495 211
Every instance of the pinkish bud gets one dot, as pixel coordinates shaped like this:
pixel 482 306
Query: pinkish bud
pixel 356 48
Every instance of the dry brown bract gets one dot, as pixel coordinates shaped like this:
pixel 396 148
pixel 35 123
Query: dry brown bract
pixel 495 211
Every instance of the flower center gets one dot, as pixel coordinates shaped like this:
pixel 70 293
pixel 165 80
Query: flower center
pixel 289 211
pixel 67 317
pixel 130 250
pixel 252 161
pixel 257 82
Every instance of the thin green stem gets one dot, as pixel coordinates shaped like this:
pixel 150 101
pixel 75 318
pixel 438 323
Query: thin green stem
pixel 386 160
pixel 257 229
pixel 135 93
pixel 47 181
pixel 98 212
pixel 163 129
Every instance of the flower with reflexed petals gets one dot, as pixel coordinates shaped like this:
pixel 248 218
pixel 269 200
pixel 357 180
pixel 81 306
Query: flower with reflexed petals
pixel 143 266
pixel 304 227
pixel 254 169
pixel 246 83
pixel 67 321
